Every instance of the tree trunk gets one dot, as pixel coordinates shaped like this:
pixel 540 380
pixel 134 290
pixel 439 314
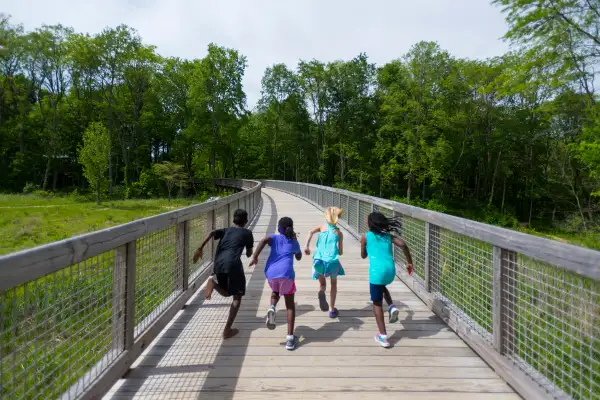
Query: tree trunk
pixel 110 135
pixel 424 189
pixel 503 196
pixel 408 191
pixel 98 190
pixel 47 173
pixel 494 179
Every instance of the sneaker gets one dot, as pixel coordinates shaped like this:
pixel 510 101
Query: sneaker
pixel 393 313
pixel 323 301
pixel 334 313
pixel 271 318
pixel 383 341
pixel 291 343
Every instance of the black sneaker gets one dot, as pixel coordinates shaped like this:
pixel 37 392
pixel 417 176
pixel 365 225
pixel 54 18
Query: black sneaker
pixel 291 344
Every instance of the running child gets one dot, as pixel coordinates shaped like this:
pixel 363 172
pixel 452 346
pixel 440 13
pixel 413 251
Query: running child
pixel 330 245
pixel 279 271
pixel 377 245
pixel 228 268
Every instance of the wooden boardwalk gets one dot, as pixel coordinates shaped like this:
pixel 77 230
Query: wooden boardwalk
pixel 337 358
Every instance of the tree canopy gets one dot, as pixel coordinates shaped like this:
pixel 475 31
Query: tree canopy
pixel 515 136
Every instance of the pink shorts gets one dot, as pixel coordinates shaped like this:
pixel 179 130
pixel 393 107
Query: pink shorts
pixel 283 286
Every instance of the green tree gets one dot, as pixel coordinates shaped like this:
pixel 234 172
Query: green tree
pixel 93 156
pixel 172 174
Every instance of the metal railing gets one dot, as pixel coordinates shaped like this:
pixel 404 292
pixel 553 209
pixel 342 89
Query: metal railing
pixel 75 314
pixel 529 306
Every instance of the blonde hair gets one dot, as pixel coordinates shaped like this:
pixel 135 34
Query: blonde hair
pixel 332 214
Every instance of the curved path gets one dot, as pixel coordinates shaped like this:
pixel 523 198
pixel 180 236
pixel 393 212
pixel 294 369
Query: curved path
pixel 337 359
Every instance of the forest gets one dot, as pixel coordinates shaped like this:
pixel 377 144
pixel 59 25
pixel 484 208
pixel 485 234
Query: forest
pixel 511 141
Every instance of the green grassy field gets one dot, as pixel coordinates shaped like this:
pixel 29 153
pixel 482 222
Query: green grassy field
pixel 31 220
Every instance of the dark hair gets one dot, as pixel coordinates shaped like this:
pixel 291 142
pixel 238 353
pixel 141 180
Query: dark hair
pixel 286 227
pixel 379 223
pixel 240 217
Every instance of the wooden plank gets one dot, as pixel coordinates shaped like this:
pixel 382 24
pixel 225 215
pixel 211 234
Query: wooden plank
pixel 583 261
pixel 370 348
pixel 425 384
pixel 316 371
pixel 130 272
pixel 329 395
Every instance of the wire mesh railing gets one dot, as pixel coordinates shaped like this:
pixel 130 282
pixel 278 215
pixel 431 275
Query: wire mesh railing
pixel 529 306
pixel 69 326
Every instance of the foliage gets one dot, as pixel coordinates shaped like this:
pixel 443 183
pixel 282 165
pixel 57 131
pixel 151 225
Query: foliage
pixel 171 174
pixel 93 156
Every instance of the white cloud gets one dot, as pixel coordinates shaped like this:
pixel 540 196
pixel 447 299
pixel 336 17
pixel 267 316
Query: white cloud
pixel 271 31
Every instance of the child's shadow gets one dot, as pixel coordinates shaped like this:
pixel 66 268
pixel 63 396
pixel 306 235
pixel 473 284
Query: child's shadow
pixel 414 328
pixel 330 331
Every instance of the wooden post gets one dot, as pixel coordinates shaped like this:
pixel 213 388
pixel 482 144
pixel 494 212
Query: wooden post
pixel 182 236
pixel 119 288
pixel 426 266
pixel 505 300
pixel 130 295
pixel 213 222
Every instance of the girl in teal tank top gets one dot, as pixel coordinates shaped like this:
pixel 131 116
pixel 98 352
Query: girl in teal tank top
pixel 377 244
pixel 326 258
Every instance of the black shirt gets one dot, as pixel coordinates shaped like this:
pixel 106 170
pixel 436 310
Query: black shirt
pixel 232 242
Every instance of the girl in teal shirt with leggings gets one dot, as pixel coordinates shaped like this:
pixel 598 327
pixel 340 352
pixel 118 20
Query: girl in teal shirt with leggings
pixel 377 245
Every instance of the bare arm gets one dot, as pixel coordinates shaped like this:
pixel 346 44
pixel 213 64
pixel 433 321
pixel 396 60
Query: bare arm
pixel 340 242
pixel 198 253
pixel 409 262
pixel 261 246
pixel 309 238
pixel 363 246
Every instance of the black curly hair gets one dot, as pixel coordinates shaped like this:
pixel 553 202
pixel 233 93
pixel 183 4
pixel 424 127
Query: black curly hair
pixel 286 227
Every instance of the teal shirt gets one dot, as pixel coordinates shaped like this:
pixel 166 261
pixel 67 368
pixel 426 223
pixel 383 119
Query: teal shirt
pixel 327 245
pixel 382 270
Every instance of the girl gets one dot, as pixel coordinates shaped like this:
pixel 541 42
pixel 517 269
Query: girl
pixel 330 245
pixel 377 245
pixel 279 271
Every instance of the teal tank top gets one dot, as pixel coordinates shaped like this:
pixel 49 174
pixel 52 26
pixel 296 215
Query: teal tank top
pixel 327 245
pixel 382 270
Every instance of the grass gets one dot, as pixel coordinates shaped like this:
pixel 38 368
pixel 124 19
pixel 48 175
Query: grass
pixel 31 220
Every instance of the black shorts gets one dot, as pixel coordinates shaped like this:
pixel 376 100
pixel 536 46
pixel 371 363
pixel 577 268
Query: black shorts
pixel 234 284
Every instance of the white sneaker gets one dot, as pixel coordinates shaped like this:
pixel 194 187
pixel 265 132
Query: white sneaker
pixel 271 318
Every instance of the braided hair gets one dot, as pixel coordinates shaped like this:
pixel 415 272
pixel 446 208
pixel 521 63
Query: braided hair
pixel 379 223
pixel 286 227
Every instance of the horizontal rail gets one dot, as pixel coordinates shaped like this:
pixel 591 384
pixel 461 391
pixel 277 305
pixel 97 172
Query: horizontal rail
pixel 75 314
pixel 529 306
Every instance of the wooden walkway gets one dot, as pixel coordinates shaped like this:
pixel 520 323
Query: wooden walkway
pixel 337 359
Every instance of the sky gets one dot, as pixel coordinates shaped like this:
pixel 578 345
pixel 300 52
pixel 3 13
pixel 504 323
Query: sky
pixel 283 31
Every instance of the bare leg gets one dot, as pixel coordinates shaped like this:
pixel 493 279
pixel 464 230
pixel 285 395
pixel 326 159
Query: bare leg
pixel 291 312
pixel 322 297
pixel 332 294
pixel 387 296
pixel 274 299
pixel 211 285
pixel 233 310
pixel 378 311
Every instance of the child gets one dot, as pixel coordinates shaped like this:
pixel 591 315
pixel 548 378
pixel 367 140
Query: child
pixel 330 245
pixel 377 245
pixel 228 268
pixel 279 271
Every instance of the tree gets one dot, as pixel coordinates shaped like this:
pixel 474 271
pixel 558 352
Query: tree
pixel 172 174
pixel 94 154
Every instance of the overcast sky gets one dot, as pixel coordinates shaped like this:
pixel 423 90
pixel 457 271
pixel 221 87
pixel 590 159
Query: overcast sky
pixel 274 31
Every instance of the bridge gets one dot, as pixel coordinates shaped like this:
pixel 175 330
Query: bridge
pixel 489 313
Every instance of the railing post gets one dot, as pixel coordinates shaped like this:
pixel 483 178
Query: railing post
pixel 119 288
pixel 182 236
pixel 213 223
pixel 130 295
pixel 426 266
pixel 504 300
